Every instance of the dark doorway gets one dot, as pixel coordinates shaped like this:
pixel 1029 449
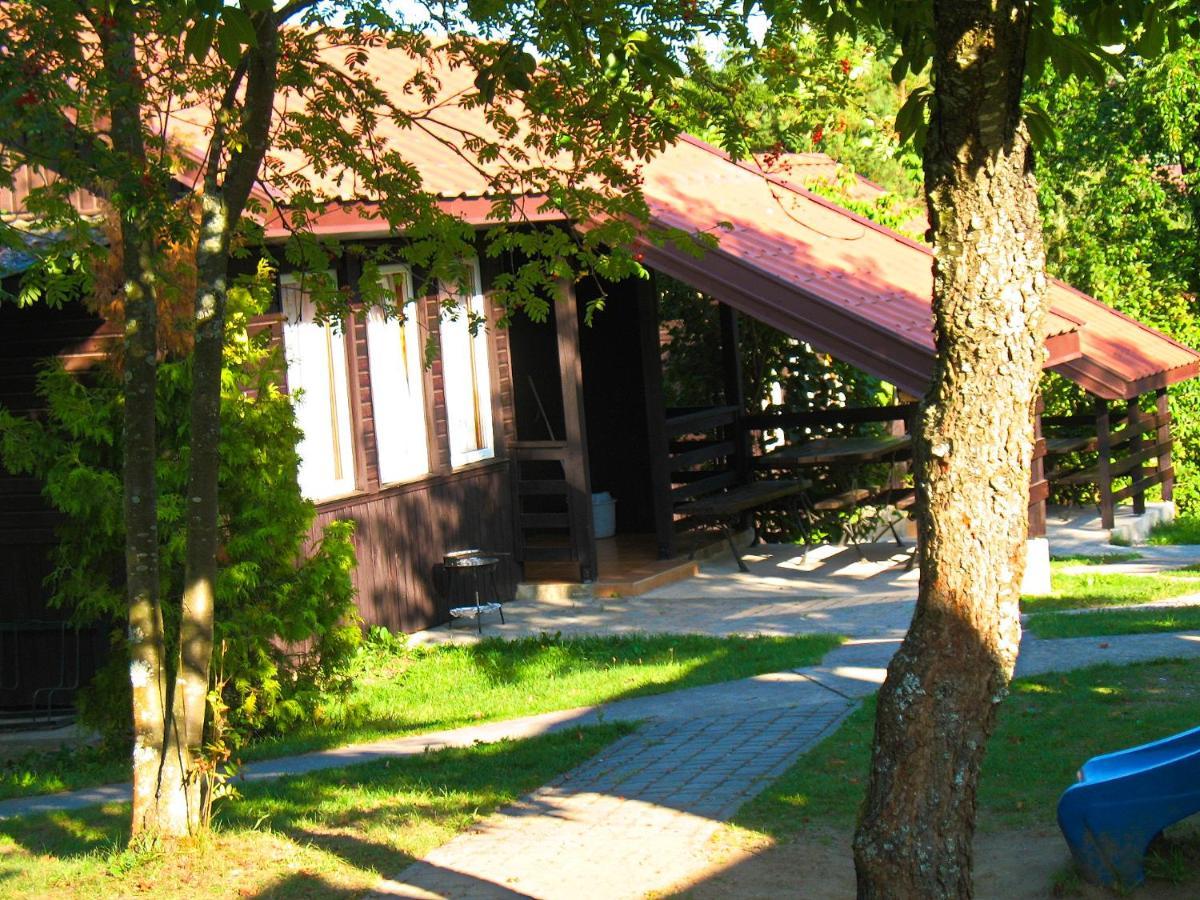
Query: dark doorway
pixel 614 393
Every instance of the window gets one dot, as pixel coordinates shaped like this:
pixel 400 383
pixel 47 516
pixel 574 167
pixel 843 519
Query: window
pixel 316 371
pixel 398 400
pixel 465 373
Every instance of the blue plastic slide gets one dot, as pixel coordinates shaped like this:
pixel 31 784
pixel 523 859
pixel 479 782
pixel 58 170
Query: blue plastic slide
pixel 1124 800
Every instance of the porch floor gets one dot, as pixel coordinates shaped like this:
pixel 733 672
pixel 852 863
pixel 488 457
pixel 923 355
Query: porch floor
pixel 627 566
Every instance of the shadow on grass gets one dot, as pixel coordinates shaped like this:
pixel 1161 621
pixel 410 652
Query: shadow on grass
pixel 452 686
pixel 321 834
pixel 70 834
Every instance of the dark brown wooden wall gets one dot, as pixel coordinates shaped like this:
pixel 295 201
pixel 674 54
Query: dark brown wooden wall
pixel 404 530
pixel 32 658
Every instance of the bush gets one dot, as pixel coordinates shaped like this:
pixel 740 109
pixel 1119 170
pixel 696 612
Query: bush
pixel 285 622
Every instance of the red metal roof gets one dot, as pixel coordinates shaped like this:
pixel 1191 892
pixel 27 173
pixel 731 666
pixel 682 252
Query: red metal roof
pixel 792 259
pixel 809 169
pixel 858 290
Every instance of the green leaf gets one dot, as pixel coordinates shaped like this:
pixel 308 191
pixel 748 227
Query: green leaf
pixel 912 119
pixel 199 38
pixel 1041 127
pixel 229 46
pixel 239 24
pixel 1153 36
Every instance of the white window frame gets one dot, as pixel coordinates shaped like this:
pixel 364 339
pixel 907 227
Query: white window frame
pixel 327 450
pixel 466 373
pixel 395 362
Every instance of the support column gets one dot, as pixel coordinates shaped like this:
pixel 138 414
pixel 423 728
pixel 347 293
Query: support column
pixel 1133 422
pixel 656 415
pixel 1163 408
pixel 575 463
pixel 1037 547
pixel 735 392
pixel 1039 490
pixel 1104 462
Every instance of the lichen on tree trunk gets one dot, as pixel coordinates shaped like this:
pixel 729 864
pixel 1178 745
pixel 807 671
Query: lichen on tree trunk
pixel 221 204
pixel 147 671
pixel 974 446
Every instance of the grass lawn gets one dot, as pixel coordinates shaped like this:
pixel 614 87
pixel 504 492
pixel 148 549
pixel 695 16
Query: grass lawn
pixel 1092 559
pixel 1080 590
pixel 1048 726
pixel 327 834
pixel 1114 621
pixel 1181 530
pixel 398 691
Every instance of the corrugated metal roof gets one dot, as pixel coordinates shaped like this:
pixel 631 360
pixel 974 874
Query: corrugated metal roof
pixel 791 258
pixel 872 285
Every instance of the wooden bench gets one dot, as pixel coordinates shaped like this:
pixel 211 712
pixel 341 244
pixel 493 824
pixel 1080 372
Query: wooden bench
pixel 708 467
pixel 845 500
pixel 738 500
pixel 1060 446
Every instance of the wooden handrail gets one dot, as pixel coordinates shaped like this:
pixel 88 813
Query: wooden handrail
pixel 700 420
pixel 850 415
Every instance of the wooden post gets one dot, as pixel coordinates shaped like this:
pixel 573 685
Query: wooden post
pixel 1104 462
pixel 1163 408
pixel 656 415
pixel 349 270
pixel 1038 489
pixel 579 486
pixel 735 392
pixel 1133 420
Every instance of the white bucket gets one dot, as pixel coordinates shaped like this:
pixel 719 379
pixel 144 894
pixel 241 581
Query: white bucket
pixel 604 514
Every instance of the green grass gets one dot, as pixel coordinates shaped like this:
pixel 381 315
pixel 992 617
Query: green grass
pixel 327 834
pixel 426 689
pixel 64 769
pixel 1114 621
pixel 1091 559
pixel 1047 727
pixel 397 691
pixel 1087 589
pixel 1181 530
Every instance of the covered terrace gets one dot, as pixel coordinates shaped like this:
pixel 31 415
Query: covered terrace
pixel 843 285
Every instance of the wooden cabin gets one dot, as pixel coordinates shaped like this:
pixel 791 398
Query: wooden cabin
pixel 502 441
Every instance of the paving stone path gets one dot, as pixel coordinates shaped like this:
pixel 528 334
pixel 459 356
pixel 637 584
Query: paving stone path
pixel 638 818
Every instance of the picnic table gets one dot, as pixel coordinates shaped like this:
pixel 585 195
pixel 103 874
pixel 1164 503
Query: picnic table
pixel 849 452
pixel 838 451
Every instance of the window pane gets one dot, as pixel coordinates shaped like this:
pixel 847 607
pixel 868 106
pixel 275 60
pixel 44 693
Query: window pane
pixel 465 371
pixel 397 395
pixel 317 374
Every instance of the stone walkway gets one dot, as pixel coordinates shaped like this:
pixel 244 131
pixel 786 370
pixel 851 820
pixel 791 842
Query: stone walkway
pixel 638 818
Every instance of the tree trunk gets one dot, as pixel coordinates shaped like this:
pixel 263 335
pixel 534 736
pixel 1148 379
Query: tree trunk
pixel 220 208
pixel 203 530
pixel 937 706
pixel 147 672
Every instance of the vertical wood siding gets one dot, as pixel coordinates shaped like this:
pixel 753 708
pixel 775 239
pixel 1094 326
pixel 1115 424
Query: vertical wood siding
pixel 26 179
pixel 33 657
pixel 403 531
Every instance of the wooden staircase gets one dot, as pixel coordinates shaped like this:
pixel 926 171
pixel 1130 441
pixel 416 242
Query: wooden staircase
pixel 552 506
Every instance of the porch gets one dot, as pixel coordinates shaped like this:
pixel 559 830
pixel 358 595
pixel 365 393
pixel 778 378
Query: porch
pixel 592 415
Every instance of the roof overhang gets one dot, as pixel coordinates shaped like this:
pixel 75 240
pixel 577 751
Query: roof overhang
pixel 363 219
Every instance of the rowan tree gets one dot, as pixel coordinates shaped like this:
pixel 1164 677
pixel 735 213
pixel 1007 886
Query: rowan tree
pixel 170 111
